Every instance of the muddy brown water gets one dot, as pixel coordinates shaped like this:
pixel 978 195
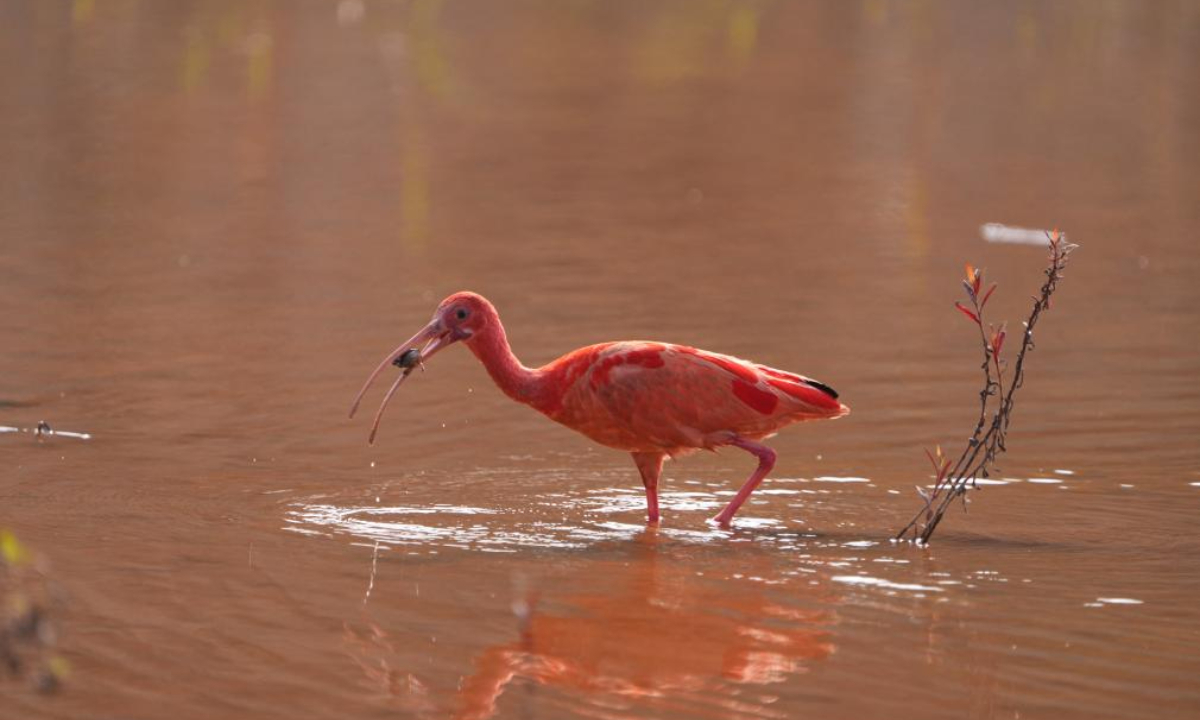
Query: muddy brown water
pixel 216 217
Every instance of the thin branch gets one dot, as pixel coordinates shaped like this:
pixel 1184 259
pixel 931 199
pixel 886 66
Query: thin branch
pixel 996 399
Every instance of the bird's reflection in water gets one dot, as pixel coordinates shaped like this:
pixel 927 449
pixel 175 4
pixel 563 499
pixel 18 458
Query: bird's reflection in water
pixel 658 633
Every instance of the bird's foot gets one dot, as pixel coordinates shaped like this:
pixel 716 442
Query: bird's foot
pixel 722 520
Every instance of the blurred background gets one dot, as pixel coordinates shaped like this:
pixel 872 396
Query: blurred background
pixel 216 217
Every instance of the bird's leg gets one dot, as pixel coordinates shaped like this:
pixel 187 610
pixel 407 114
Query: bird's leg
pixel 766 461
pixel 650 465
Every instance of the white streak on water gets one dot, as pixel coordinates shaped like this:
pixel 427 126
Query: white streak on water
pixel 1000 233
pixel 744 523
pixel 68 433
pixel 881 583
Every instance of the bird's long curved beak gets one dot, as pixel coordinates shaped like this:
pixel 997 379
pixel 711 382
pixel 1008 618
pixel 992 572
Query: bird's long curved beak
pixel 432 338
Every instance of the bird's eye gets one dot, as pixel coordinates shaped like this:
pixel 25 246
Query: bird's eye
pixel 461 313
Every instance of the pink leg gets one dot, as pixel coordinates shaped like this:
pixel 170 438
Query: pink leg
pixel 650 465
pixel 766 461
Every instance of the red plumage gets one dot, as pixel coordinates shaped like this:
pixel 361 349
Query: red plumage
pixel 654 397
pixel 651 399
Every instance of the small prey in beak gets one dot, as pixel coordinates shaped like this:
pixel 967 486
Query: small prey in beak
pixel 411 354
pixel 409 359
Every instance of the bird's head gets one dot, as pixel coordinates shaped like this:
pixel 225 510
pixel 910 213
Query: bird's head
pixel 463 316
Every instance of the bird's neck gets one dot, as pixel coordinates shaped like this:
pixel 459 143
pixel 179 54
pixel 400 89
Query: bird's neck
pixel 517 381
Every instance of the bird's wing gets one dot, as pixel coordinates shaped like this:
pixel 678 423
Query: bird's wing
pixel 637 395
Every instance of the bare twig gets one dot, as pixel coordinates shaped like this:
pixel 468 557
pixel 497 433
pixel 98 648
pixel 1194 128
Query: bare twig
pixel 953 480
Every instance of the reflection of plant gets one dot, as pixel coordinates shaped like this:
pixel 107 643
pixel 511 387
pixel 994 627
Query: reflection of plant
pixel 27 635
pixel 377 657
pixel 953 479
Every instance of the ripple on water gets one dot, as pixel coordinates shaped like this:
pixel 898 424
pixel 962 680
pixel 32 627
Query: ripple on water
pixel 586 518
pixel 868 581
pixel 468 527
pixel 546 520
pixel 626 500
pixel 840 479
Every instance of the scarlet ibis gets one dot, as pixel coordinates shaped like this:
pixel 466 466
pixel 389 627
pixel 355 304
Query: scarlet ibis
pixel 654 400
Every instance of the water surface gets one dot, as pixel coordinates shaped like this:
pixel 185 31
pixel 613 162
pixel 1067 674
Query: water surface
pixel 215 218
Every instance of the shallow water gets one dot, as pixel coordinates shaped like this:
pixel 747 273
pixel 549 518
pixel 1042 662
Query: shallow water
pixel 216 217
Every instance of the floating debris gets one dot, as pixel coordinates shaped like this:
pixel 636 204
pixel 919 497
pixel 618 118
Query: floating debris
pixel 43 430
pixel 999 233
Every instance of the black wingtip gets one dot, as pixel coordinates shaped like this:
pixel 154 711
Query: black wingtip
pixel 823 388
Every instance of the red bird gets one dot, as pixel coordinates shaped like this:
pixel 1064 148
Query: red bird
pixel 653 400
